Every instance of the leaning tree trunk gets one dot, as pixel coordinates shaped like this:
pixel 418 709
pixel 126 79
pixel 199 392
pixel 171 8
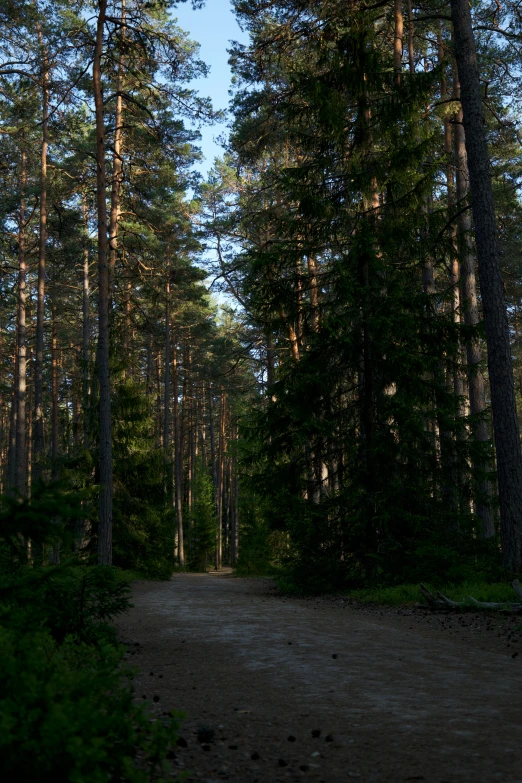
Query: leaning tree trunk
pixel 505 420
pixel 105 501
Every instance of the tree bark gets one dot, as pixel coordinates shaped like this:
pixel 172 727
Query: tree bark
pixel 220 482
pixel 54 392
pixel 166 379
pixel 235 516
pixel 314 293
pixel 212 438
pixel 411 53
pixel 105 500
pixel 21 385
pixel 117 161
pixel 397 41
pixel 159 417
pixel 477 397
pixel 505 420
pixel 55 472
pixel 38 427
pixel 13 415
pixel 85 332
pixel 128 341
pixel 188 406
pixel 292 336
pixel 178 464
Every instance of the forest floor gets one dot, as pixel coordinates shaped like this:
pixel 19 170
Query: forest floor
pixel 285 689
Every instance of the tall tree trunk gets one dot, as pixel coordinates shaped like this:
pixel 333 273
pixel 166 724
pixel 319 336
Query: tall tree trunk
pixel 29 456
pixel 128 339
pixel 117 161
pixel 219 483
pixel 397 41
pixel 184 431
pixel 455 372
pixel 188 395
pixel 166 380
pixel 292 335
pixel 411 53
pixel 178 457
pixel 227 526
pixel 105 501
pixel 159 418
pixel 38 429
pixel 366 380
pixel 503 403
pixel 270 359
pixel 148 377
pixel 477 397
pixel 76 411
pixel 86 327
pixel 299 304
pixel 202 429
pixel 314 293
pixel 13 416
pixel 235 517
pixel 212 439
pixel 3 421
pixel 54 392
pixel 55 472
pixel 21 386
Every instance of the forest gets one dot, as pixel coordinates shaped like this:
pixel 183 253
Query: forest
pixel 305 365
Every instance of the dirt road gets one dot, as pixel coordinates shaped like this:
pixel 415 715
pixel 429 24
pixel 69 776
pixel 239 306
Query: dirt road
pixel 288 690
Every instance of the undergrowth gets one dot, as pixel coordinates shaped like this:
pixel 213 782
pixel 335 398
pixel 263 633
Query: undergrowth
pixel 411 594
pixel 67 711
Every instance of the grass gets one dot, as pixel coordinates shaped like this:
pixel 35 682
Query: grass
pixel 410 594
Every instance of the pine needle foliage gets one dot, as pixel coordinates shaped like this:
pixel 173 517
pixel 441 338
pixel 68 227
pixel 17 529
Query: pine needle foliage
pixel 362 445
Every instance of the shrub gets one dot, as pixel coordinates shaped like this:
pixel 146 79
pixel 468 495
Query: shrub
pixel 67 715
pixel 69 600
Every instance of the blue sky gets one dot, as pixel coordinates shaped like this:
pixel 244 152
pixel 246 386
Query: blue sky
pixel 213 27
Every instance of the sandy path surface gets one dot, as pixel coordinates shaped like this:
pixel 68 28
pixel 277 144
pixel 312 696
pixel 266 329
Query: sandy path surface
pixel 392 700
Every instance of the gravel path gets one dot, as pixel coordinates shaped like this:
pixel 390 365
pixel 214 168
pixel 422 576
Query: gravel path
pixel 284 689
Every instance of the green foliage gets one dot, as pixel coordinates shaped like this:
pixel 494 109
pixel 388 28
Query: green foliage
pixel 362 445
pixel 201 539
pixel 261 548
pixel 143 535
pixel 41 519
pixel 68 600
pixel 67 715
pixel 67 712
pixel 255 555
